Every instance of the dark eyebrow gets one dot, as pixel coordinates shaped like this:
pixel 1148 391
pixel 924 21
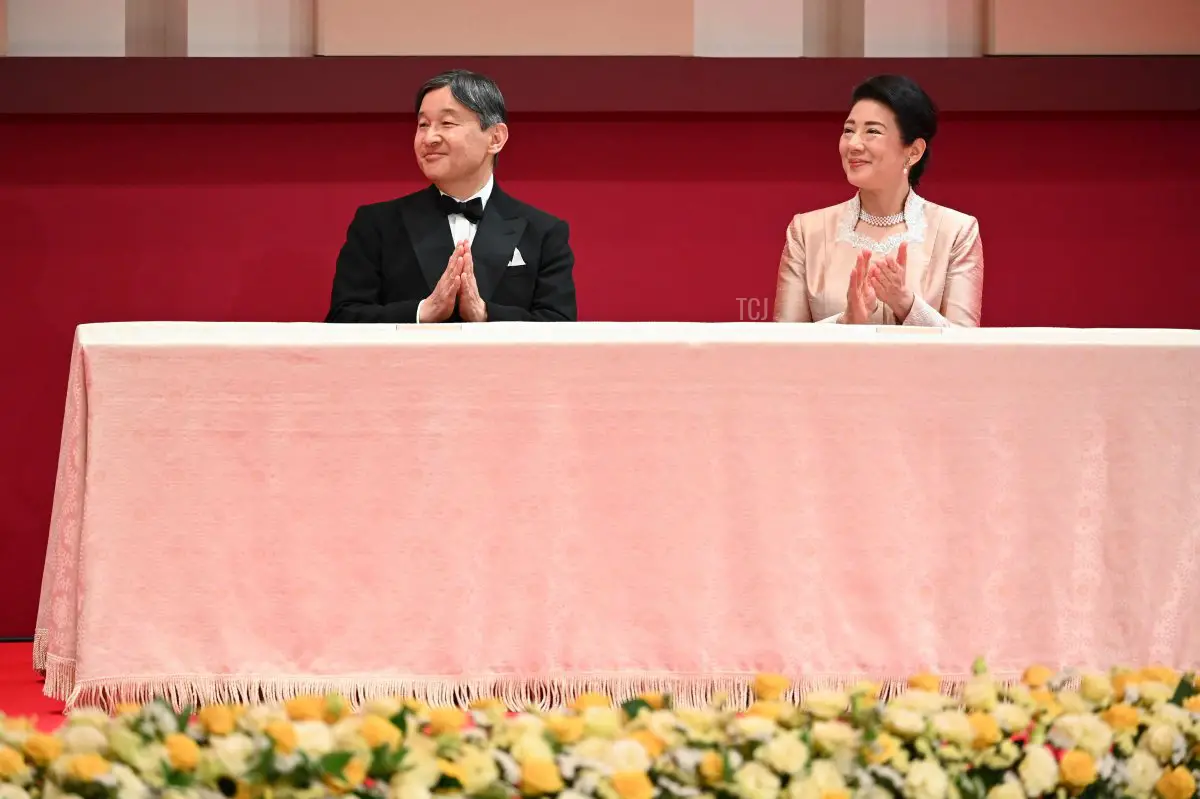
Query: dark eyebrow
pixel 877 124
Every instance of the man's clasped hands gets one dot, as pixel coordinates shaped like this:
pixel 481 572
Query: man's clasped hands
pixel 457 283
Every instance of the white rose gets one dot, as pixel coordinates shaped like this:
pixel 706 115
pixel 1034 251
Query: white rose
pixel 754 727
pixel 826 704
pixel 1097 688
pixel 1009 789
pixel 92 717
pixel 1160 741
pixel 1173 715
pixel 628 756
pixel 785 753
pixel 1153 693
pixel 1011 718
pixel 233 753
pixel 408 789
pixel 924 702
pixel 84 739
pixel 1142 771
pixel 386 706
pixel 834 736
pixel 10 791
pixel 313 738
pixel 602 722
pixel 903 722
pixel 980 693
pixel 479 770
pixel 664 725
pixel 1086 732
pixel 926 780
pixel 954 727
pixel 531 747
pixel 1038 771
pixel 756 781
pixel 129 786
pixel 594 750
pixel 826 776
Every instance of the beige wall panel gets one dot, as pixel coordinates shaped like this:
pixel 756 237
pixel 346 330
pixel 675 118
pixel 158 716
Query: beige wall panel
pixel 515 27
pixel 923 28
pixel 156 27
pixel 1094 27
pixel 250 27
pixel 833 28
pixel 66 27
pixel 3 27
pixel 750 28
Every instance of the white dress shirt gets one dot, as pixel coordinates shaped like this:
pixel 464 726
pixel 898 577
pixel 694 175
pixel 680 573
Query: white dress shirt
pixel 461 227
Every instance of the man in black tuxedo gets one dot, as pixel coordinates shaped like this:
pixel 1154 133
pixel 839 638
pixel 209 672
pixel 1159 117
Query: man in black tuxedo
pixel 461 250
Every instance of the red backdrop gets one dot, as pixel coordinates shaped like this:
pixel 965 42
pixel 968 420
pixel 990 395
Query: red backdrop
pixel 1083 221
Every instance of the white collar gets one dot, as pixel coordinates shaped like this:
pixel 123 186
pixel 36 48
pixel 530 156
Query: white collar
pixel 483 194
pixel 914 220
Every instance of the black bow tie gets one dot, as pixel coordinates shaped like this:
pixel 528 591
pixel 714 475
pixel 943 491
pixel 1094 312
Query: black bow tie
pixel 471 209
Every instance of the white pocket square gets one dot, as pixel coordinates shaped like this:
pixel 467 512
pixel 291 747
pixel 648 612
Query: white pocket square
pixel 517 260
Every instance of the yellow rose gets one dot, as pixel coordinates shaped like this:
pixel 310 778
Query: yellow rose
pixel 489 705
pixel 11 763
pixel 653 745
pixel 216 719
pixel 377 732
pixel 1121 717
pixel 1192 704
pixel 765 710
pixel 446 719
pixel 925 682
pixel 590 699
pixel 986 729
pixel 305 708
pixel 283 734
pixel 336 708
pixel 565 729
pixel 842 794
pixel 128 709
pixel 87 768
pixel 712 768
pixel 1096 688
pixel 881 750
pixel 632 785
pixel 353 776
pixel 43 749
pixel 1036 676
pixel 539 777
pixel 770 687
pixel 1046 703
pixel 1178 783
pixel 1121 680
pixel 1078 769
pixel 182 752
pixel 655 701
pixel 1161 674
pixel 602 722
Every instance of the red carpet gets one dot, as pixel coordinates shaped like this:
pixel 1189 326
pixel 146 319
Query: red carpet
pixel 21 687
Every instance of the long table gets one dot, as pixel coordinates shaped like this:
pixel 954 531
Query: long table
pixel 245 512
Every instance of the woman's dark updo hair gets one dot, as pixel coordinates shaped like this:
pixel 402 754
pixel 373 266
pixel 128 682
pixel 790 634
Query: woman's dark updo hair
pixel 914 110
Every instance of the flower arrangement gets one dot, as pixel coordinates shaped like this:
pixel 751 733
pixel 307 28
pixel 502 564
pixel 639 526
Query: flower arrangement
pixel 1122 734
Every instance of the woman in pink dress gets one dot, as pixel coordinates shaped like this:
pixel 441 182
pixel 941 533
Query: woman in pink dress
pixel 886 256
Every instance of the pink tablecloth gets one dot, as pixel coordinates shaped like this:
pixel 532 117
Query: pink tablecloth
pixel 250 511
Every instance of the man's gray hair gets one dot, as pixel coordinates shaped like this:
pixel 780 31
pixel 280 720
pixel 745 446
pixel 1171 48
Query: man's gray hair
pixel 478 93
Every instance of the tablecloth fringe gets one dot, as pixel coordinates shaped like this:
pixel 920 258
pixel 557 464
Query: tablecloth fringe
pixel 41 641
pixel 543 693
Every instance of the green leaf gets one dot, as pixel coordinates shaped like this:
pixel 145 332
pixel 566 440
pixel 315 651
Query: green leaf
pixel 183 718
pixel 176 779
pixel 335 764
pixel 447 783
pixel 401 720
pixel 635 706
pixel 1185 690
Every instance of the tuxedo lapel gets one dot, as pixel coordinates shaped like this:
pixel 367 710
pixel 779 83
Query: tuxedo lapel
pixel 495 240
pixel 429 233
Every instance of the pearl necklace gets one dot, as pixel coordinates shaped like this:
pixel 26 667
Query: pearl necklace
pixel 881 221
